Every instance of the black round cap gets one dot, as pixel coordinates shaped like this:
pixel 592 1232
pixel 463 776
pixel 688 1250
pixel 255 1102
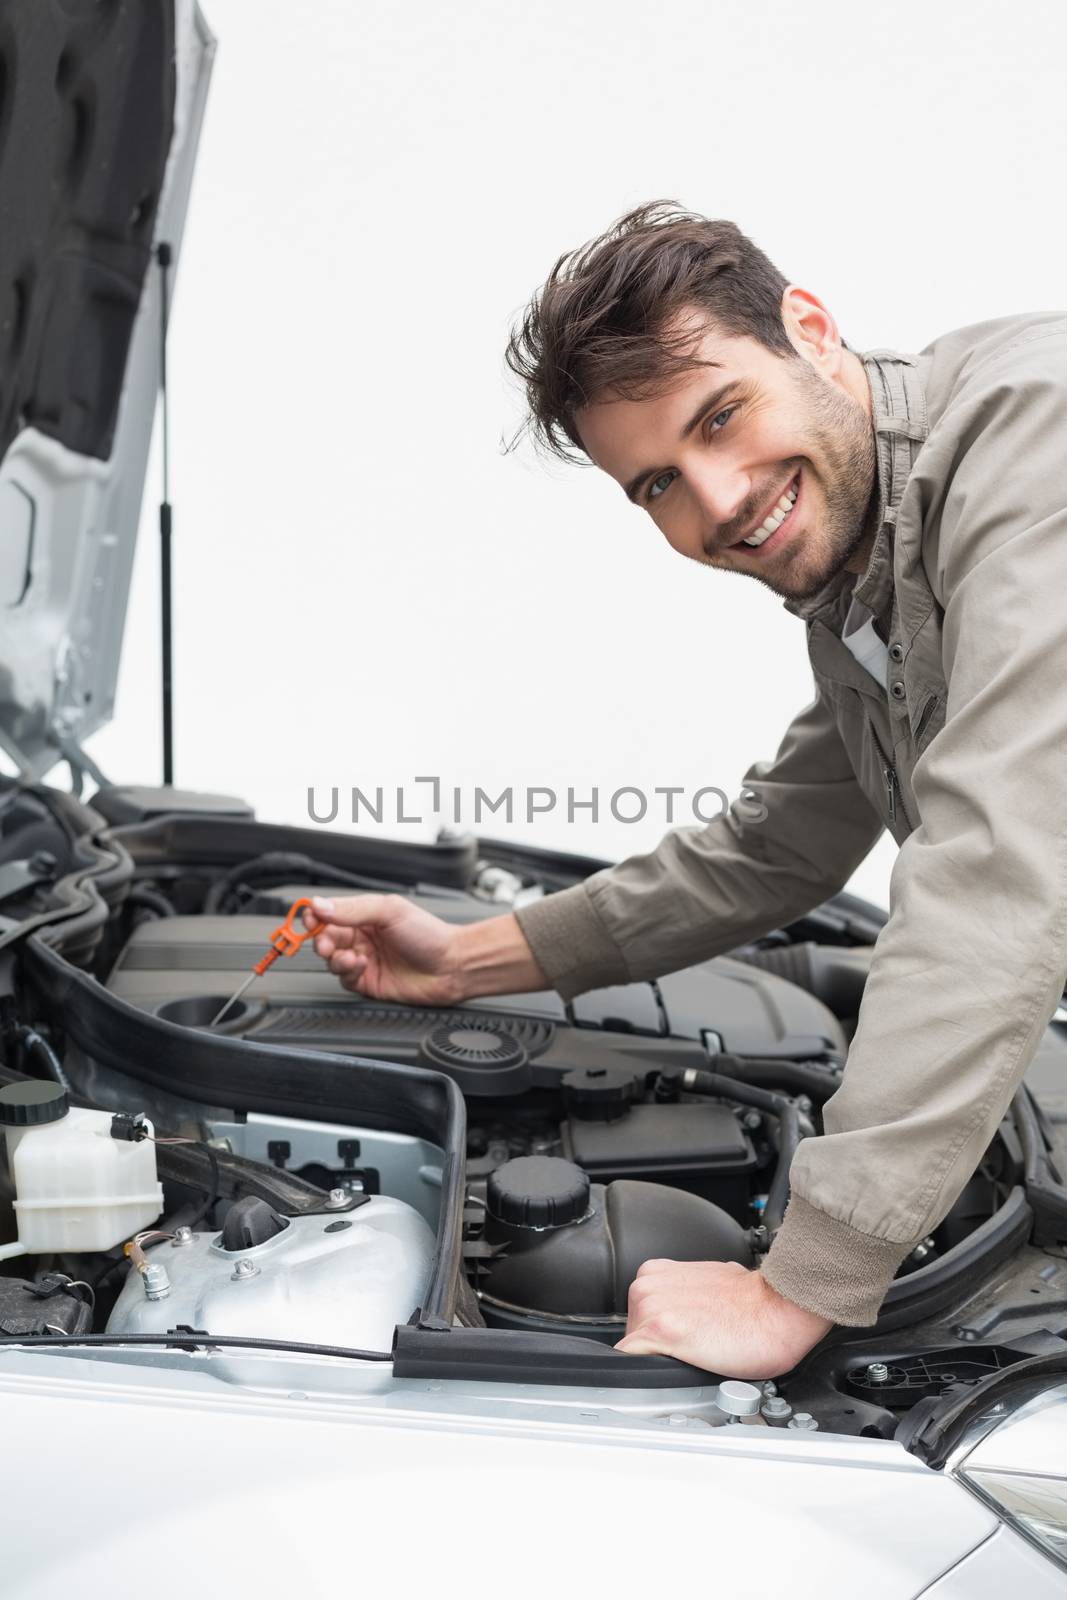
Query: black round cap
pixel 27 1105
pixel 599 1094
pixel 538 1192
pixel 472 1045
pixel 482 1059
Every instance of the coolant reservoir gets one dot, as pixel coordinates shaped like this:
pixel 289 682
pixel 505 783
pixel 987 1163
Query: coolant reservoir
pixel 76 1187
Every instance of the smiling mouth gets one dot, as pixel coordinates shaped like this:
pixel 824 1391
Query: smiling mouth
pixel 773 523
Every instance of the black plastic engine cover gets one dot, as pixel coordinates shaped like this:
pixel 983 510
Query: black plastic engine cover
pixel 183 968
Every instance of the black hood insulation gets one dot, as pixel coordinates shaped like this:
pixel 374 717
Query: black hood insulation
pixel 90 86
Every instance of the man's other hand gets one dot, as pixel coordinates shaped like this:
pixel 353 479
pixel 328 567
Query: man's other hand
pixel 719 1316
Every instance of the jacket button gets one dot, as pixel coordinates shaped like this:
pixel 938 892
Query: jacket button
pixel 897 690
pixel 896 652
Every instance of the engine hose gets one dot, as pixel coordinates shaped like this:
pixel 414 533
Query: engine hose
pixel 35 1043
pixel 143 895
pixel 282 865
pixel 697 1081
pixel 767 1072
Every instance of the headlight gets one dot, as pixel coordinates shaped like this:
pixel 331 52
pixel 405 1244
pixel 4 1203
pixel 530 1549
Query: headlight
pixel 1019 1468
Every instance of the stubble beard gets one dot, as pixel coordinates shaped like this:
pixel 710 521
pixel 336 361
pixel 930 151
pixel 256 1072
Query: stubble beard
pixel 842 442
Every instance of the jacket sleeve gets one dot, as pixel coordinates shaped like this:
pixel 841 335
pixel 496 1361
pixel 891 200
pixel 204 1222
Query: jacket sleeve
pixel 795 835
pixel 971 964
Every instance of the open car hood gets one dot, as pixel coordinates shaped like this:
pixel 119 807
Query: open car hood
pixel 100 113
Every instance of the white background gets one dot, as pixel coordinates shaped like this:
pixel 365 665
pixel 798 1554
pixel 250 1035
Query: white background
pixel 367 587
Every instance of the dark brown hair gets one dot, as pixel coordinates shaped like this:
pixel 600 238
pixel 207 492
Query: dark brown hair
pixel 599 323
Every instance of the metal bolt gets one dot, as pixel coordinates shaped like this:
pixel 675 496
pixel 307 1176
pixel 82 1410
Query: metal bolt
pixel 244 1269
pixel 776 1408
pixel 769 1386
pixel 181 1236
pixel 336 1199
pixel 156 1282
pixel 804 1421
pixel 804 1103
pixel 752 1120
pixel 877 1372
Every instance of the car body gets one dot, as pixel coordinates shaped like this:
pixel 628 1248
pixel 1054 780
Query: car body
pixel 372 1337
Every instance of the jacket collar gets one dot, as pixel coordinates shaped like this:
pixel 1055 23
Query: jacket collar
pixel 898 416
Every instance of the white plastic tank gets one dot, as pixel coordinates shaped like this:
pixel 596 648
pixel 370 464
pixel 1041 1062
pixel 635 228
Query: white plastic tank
pixel 76 1187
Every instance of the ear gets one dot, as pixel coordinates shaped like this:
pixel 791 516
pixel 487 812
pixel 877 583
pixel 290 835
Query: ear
pixel 812 331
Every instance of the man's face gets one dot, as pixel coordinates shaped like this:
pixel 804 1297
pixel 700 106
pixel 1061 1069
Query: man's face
pixel 756 447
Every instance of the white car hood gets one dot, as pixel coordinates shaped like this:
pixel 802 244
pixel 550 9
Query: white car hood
pixel 124 1481
pixel 99 122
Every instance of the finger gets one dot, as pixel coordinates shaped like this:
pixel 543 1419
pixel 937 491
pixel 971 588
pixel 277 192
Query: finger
pixel 354 981
pixel 342 962
pixel 639 1344
pixel 336 933
pixel 655 1267
pixel 356 910
pixel 636 1299
pixel 334 938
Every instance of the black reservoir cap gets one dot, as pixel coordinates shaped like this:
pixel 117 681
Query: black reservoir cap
pixel 538 1192
pixel 599 1094
pixel 27 1105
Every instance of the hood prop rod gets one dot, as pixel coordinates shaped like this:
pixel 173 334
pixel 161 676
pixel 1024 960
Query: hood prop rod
pixel 163 257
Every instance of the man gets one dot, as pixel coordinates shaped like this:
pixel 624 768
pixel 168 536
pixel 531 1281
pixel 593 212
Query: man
pixel 912 510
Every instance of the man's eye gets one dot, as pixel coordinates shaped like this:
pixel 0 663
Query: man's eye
pixel 669 475
pixel 667 478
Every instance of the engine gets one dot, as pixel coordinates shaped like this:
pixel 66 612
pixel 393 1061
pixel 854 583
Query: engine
pixel 325 1172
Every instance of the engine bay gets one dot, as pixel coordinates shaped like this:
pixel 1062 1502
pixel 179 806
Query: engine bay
pixel 467 1191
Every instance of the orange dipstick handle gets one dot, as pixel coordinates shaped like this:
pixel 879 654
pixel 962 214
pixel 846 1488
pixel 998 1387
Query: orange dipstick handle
pixel 285 940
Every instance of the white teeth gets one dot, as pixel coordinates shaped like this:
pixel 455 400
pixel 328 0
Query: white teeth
pixel 772 523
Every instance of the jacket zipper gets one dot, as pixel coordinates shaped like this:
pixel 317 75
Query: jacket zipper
pixel 890 779
pixel 892 785
pixel 924 716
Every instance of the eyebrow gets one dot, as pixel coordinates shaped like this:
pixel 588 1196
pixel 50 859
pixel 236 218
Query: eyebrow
pixel 701 411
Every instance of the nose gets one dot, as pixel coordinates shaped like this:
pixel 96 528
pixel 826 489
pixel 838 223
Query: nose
pixel 720 490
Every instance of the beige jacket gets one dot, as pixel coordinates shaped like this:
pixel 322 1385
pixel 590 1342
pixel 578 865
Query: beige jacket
pixel 964 761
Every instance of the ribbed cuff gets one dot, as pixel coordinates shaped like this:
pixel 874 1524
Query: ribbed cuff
pixel 572 946
pixel 827 1267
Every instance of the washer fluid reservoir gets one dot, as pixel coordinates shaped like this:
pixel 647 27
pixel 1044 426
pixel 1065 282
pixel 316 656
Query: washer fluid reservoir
pixel 76 1187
